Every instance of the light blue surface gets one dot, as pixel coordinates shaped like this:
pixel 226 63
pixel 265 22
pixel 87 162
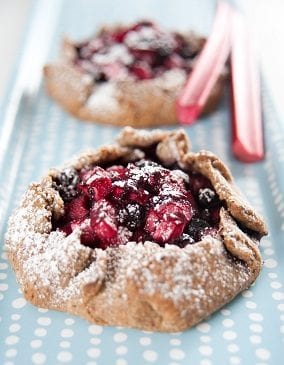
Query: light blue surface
pixel 248 331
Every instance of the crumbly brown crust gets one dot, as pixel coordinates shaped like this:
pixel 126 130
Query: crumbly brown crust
pixel 141 103
pixel 138 285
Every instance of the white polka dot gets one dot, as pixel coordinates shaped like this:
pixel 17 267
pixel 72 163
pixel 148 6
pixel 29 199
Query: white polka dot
pixel 282 329
pixel 120 337
pixel 121 362
pixel 275 285
pixel 205 362
pixel 15 327
pixel 229 335
pixel 95 341
pixel 121 350
pixel 177 354
pixel 11 353
pixel 225 312
pixel 64 356
pixel 269 251
pixel 19 303
pixel 42 310
pixel 91 363
pixel 234 360
pixel 262 354
pixel 8 363
pixel 1 296
pixel 35 344
pixel 65 344
pixel 93 352
pixel 175 342
pixel 205 350
pixel 281 307
pixel 38 358
pixel 3 286
pixel 3 275
pixel 66 333
pixel 247 294
pixel 257 317
pixel 205 339
pixel 282 317
pixel 95 330
pixel 250 304
pixel 228 322
pixel 69 321
pixel 270 263
pixel 3 265
pixel 15 317
pixel 277 295
pixel 255 327
pixel 145 341
pixel 44 321
pixel 40 332
pixel 150 355
pixel 203 327
pixel 272 275
pixel 232 347
pixel 12 340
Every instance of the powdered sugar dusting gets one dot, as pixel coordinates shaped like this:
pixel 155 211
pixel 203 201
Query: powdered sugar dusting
pixel 53 268
pixel 104 98
pixel 170 271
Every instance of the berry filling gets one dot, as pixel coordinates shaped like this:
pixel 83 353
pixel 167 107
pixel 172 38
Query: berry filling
pixel 142 51
pixel 138 202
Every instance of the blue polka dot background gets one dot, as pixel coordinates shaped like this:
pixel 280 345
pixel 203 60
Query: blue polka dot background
pixel 249 330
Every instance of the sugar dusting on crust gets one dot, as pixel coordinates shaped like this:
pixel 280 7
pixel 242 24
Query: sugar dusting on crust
pixel 52 269
pixel 170 271
pixel 57 266
pixel 104 97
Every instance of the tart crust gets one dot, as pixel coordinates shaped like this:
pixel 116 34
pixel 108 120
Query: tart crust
pixel 142 103
pixel 139 285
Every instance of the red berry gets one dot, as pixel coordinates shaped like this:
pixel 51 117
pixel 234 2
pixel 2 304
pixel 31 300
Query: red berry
pixel 77 209
pixel 103 221
pixel 97 182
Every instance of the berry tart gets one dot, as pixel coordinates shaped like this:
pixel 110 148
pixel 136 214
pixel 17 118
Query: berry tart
pixel 143 233
pixel 126 75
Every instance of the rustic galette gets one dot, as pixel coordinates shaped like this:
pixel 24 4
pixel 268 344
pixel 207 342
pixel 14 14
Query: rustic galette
pixel 143 233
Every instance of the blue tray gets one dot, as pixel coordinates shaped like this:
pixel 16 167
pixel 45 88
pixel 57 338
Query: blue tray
pixel 36 134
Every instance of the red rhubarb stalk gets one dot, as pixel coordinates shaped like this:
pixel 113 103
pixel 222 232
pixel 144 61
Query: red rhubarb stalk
pixel 247 128
pixel 208 67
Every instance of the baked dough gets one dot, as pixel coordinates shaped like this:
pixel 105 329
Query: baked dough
pixel 140 103
pixel 141 285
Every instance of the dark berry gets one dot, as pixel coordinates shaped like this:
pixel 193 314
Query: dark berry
pixel 65 184
pixel 195 228
pixel 207 197
pixel 131 216
pixel 185 239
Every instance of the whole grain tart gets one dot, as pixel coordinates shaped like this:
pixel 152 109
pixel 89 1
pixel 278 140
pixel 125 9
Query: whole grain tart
pixel 126 75
pixel 143 233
